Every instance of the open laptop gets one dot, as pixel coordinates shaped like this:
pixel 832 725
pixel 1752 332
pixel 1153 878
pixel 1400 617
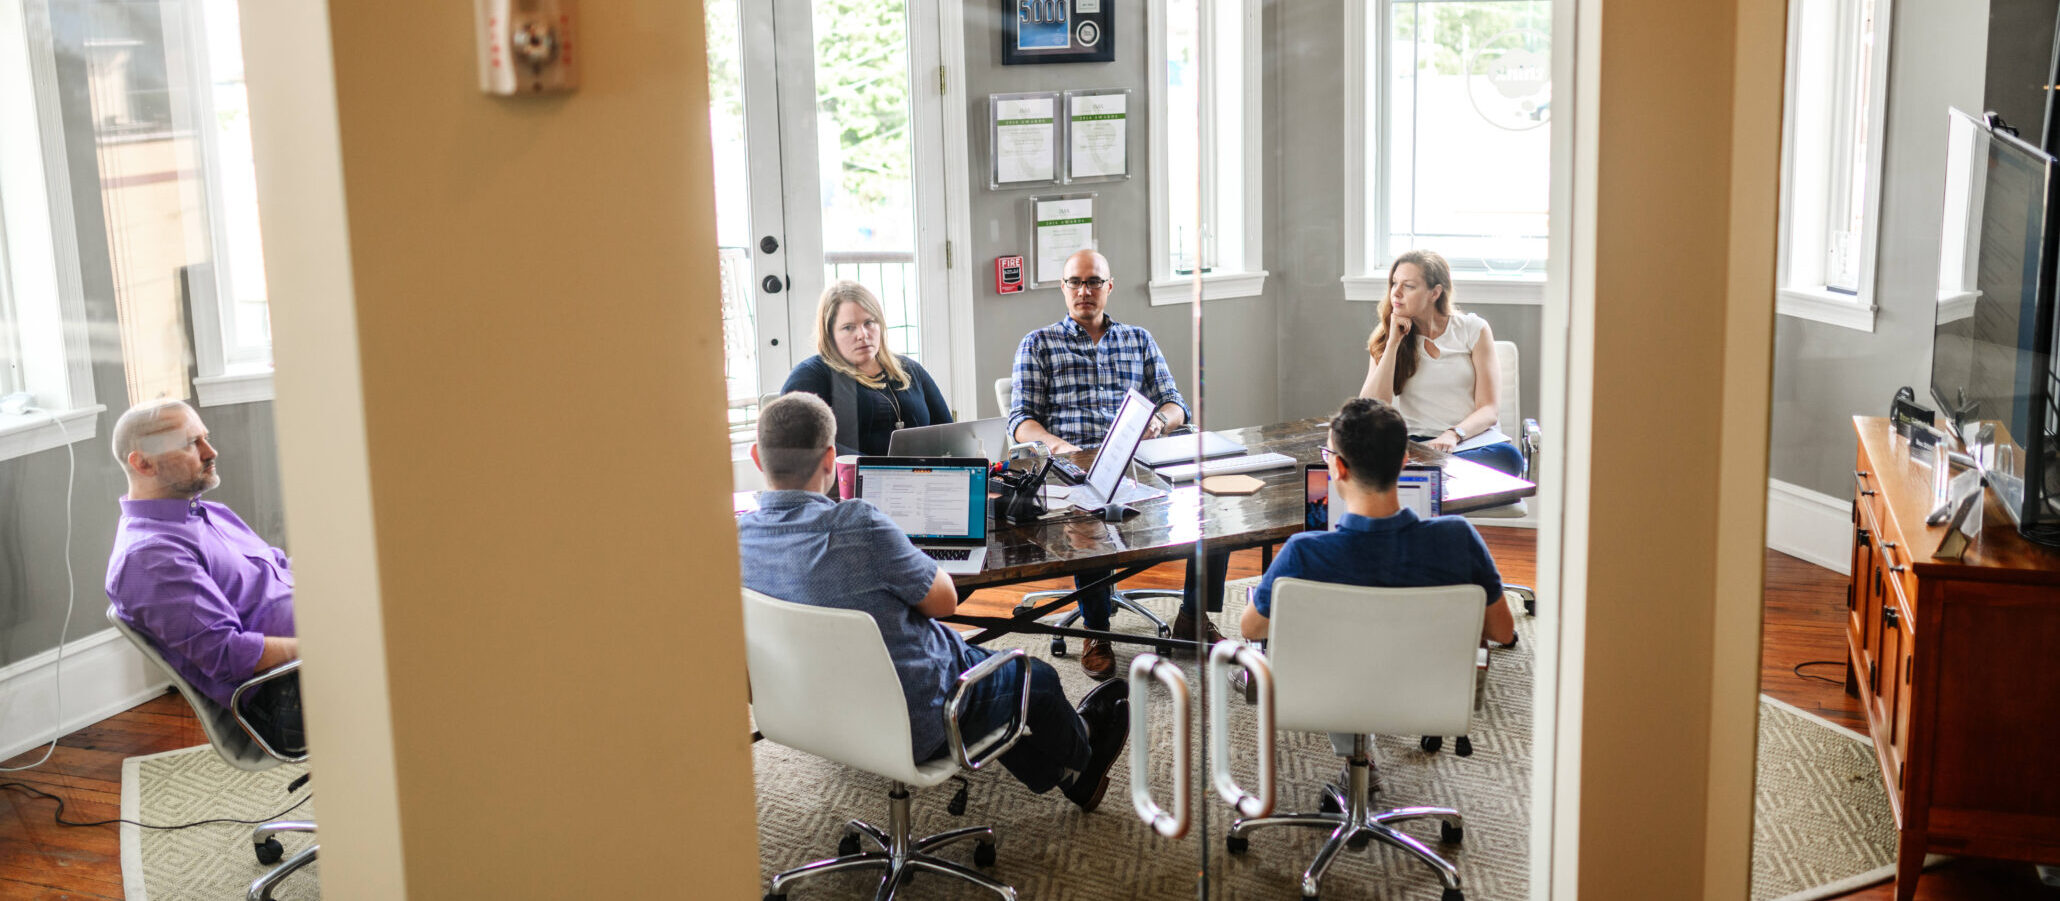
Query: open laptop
pixel 939 502
pixel 1112 459
pixel 986 438
pixel 1421 487
pixel 1181 449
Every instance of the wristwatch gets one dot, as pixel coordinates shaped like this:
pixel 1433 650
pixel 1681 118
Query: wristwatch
pixel 1459 433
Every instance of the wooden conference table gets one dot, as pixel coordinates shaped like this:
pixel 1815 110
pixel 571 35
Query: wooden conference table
pixel 1167 528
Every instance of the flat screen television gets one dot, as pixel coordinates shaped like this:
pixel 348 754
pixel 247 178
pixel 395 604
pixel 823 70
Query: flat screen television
pixel 1992 363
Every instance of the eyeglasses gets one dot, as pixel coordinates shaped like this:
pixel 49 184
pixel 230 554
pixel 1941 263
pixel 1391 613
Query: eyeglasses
pixel 1327 453
pixel 1091 284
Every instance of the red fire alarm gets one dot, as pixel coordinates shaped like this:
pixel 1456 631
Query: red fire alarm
pixel 1008 275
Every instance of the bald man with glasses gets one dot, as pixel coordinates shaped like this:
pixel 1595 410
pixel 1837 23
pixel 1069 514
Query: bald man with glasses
pixel 1068 380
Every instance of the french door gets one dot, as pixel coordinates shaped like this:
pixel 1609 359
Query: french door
pixel 826 129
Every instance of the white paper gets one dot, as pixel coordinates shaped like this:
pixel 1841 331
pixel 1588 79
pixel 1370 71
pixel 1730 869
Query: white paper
pixel 1063 228
pixel 1097 126
pixel 1492 436
pixel 1024 137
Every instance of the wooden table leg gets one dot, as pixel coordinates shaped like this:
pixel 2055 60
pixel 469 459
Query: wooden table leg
pixel 1909 863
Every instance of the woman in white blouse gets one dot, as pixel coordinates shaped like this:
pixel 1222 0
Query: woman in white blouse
pixel 1435 364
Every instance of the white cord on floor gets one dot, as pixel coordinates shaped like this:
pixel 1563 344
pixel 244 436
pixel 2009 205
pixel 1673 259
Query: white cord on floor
pixel 71 591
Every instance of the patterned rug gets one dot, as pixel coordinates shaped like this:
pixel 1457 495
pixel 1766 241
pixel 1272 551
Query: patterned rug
pixel 212 862
pixel 1821 822
pixel 1048 849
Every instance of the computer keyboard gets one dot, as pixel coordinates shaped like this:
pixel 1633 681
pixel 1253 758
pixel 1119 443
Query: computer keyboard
pixel 948 553
pixel 1223 466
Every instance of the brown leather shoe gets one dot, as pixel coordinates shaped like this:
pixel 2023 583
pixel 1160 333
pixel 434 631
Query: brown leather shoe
pixel 1098 659
pixel 1184 630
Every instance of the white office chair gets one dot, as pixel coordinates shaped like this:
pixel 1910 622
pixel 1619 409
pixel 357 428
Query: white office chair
pixel 822 682
pixel 1361 661
pixel 239 746
pixel 1529 438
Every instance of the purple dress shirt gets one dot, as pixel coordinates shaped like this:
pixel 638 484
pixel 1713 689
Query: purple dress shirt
pixel 203 586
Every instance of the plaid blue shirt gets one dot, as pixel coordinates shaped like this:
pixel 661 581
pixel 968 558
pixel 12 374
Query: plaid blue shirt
pixel 1072 385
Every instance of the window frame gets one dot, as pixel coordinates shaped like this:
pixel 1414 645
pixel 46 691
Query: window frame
pixel 1816 151
pixel 40 263
pixel 228 370
pixel 1246 276
pixel 1367 171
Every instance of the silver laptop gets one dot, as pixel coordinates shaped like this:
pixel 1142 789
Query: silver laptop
pixel 1181 449
pixel 939 502
pixel 983 438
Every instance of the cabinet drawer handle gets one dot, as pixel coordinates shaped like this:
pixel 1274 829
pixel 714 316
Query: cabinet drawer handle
pixel 1866 492
pixel 1898 568
pixel 1889 617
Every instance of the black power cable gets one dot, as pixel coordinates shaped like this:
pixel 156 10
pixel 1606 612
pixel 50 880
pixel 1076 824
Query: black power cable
pixel 61 821
pixel 1797 669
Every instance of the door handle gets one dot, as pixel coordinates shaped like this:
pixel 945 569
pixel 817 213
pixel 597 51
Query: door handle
pixel 772 284
pixel 1889 617
pixel 1227 654
pixel 1143 670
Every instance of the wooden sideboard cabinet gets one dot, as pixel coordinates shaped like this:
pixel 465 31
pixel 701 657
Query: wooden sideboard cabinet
pixel 1957 665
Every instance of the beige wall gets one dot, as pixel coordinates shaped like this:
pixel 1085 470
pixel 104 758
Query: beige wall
pixel 513 691
pixel 1670 336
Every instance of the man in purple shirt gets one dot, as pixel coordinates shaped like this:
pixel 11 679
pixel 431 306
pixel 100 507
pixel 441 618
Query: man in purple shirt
pixel 213 596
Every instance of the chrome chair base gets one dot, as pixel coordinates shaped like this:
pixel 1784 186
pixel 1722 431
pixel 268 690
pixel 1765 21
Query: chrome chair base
pixel 901 854
pixel 268 850
pixel 1358 824
pixel 1119 599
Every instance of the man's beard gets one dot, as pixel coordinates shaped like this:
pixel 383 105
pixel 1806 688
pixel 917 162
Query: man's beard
pixel 208 480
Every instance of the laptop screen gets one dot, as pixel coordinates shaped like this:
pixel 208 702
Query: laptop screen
pixel 1419 488
pixel 1126 431
pixel 938 501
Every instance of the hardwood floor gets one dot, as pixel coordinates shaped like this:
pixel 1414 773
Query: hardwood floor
pixel 41 861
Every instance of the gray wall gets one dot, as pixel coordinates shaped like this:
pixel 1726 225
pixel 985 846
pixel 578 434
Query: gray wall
pixel 32 488
pixel 1239 334
pixel 1824 374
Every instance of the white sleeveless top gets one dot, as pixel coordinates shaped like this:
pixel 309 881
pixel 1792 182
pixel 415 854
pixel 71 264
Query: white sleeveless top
pixel 1440 394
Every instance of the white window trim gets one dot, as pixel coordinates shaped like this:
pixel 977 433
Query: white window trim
pixel 226 374
pixel 1469 289
pixel 42 252
pixel 1248 278
pixel 1800 291
pixel 1362 160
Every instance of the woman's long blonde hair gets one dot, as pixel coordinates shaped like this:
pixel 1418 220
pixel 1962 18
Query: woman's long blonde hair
pixel 837 295
pixel 1436 274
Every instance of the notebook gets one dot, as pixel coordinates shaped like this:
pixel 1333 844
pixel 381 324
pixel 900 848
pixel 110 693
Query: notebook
pixel 939 502
pixel 1181 449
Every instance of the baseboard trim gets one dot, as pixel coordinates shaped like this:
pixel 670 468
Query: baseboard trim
pixel 1810 526
pixel 103 676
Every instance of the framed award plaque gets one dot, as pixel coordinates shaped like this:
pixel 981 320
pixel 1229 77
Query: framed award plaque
pixel 1057 31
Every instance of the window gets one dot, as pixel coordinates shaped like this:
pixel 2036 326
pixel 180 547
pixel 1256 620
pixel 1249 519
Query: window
pixel 1452 150
pixel 43 341
pixel 1206 198
pixel 1831 147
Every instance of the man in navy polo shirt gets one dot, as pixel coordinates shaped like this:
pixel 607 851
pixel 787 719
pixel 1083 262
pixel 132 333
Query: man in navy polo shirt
pixel 801 546
pixel 1379 542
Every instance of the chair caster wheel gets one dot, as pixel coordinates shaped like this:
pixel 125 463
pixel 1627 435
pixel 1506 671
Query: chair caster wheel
pixel 848 845
pixel 270 851
pixel 1328 804
pixel 772 897
pixel 1450 834
pixel 1462 746
pixel 1058 647
pixel 983 854
pixel 1452 894
pixel 1236 844
pixel 1431 743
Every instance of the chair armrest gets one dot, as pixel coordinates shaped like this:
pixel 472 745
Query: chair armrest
pixel 955 709
pixel 236 707
pixel 1480 678
pixel 1533 439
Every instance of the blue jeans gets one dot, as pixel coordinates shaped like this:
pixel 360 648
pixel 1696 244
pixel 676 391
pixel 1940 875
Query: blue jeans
pixel 1503 457
pixel 1053 747
pixel 1094 605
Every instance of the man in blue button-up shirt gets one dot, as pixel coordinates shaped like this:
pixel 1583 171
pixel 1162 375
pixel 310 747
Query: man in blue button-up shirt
pixel 215 598
pixel 1069 379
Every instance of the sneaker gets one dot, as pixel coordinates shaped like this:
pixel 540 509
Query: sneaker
pixel 1184 630
pixel 1106 732
pixel 1098 659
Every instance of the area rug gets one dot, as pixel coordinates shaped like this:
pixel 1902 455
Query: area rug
pixel 1821 822
pixel 1048 849
pixel 212 862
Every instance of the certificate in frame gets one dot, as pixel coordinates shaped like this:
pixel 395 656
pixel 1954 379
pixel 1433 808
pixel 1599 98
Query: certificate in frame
pixel 1097 135
pixel 1024 139
pixel 1060 225
pixel 1057 31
